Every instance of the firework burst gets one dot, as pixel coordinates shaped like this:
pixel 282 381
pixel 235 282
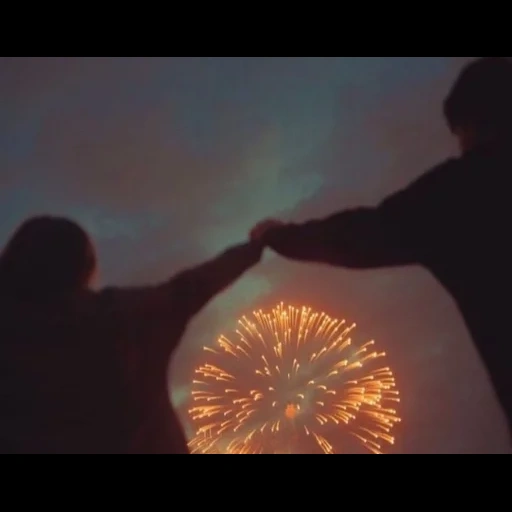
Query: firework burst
pixel 291 379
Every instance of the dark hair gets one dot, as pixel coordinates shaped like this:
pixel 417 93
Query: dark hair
pixel 46 256
pixel 482 96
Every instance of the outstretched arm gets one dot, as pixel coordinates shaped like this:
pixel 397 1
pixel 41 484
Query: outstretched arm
pixel 195 287
pixel 149 321
pixel 392 234
pixel 159 314
pixel 360 238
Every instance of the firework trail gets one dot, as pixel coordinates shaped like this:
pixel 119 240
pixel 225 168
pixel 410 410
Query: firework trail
pixel 292 378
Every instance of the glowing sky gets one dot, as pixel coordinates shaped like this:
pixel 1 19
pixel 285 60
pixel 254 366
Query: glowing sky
pixel 168 161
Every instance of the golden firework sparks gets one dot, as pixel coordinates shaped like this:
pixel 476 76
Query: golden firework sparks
pixel 291 375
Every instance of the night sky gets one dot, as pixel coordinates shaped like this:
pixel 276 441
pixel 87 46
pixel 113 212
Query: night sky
pixel 169 161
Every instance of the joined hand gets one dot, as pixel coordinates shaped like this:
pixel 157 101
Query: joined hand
pixel 259 230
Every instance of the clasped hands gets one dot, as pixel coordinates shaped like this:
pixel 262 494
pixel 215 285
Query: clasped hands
pixel 258 232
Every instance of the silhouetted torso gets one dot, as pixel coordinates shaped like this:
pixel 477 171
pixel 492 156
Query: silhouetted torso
pixel 79 379
pixel 455 221
pixel 88 374
pixel 467 248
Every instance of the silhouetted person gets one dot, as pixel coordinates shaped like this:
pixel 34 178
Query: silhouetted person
pixel 454 220
pixel 84 371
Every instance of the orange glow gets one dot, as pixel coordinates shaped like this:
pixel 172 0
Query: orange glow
pixel 291 369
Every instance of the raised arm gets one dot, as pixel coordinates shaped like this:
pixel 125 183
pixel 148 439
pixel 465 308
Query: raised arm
pixel 391 234
pixel 162 312
pixel 354 238
pixel 195 287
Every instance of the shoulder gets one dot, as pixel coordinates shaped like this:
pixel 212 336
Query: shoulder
pixel 432 184
pixel 477 164
pixel 440 175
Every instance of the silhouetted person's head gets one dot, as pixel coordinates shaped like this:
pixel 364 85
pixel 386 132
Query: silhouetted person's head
pixel 47 257
pixel 479 106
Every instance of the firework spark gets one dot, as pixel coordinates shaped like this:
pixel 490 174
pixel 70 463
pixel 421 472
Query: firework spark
pixel 292 378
